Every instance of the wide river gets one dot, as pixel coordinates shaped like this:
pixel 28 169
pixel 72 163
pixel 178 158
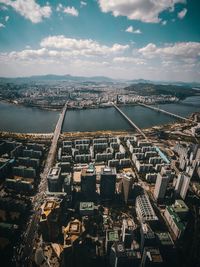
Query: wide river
pixel 15 118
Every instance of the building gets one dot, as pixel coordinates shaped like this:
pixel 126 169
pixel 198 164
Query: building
pixel 148 237
pixel 151 257
pixel 107 183
pixel 84 158
pixel 128 228
pixel 123 257
pixel 127 184
pixel 185 186
pixel 111 237
pixel 20 185
pixel 151 177
pixel 181 209
pixel 67 184
pixel 5 167
pixel 72 232
pixel 86 208
pixel 177 226
pixel 50 218
pixel 182 184
pixel 88 182
pixel 144 209
pixel 167 248
pixel 54 180
pixel 160 187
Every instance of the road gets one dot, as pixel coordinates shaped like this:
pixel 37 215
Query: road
pixel 31 231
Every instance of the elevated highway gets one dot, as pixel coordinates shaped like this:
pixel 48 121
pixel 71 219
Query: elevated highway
pixel 22 259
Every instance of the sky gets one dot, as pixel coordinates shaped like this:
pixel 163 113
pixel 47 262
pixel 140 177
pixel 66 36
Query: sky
pixel 123 39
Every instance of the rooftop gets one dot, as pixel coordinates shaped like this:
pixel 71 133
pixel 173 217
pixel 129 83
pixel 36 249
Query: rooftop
pixel 86 206
pixel 176 218
pixel 113 235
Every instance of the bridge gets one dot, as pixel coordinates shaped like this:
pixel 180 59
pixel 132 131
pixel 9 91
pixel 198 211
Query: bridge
pixel 166 112
pixel 130 121
pixel 22 258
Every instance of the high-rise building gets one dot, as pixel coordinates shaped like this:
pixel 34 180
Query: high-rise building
pixel 144 209
pixel 107 183
pixel 54 180
pixel 122 257
pixel 160 186
pixel 128 229
pixel 88 182
pixel 111 237
pixel 182 184
pixel 127 183
pixel 50 218
pixel 67 184
pixel 148 237
pixel 151 257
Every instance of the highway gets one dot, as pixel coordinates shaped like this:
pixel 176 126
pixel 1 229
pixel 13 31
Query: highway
pixel 26 248
pixel 165 112
pixel 130 121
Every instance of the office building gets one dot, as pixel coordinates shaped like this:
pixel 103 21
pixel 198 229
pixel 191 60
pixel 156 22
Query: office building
pixel 123 257
pixel 107 183
pixel 50 219
pixel 177 226
pixel 182 185
pixel 54 180
pixel 148 237
pixel 111 237
pixel 67 184
pixel 160 187
pixel 86 208
pixel 144 209
pixel 151 257
pixel 128 228
pixel 127 184
pixel 88 182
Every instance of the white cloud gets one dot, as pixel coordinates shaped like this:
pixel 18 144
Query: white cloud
pixel 71 11
pixel 81 46
pixel 164 22
pixel 2 25
pixel 143 10
pixel 137 61
pixel 6 18
pixel 59 7
pixel 130 29
pixel 184 51
pixel 61 55
pixel 29 9
pixel 182 13
pixel 83 3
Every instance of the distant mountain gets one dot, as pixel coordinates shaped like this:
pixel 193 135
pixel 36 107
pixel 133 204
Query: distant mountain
pixel 70 78
pixel 53 77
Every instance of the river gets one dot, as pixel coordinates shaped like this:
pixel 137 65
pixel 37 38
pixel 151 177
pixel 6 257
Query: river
pixel 15 118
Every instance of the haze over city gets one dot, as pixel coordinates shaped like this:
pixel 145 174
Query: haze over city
pixel 155 40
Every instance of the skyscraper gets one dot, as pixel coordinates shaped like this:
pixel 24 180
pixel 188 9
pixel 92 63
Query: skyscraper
pixel 160 187
pixel 127 183
pixel 107 183
pixel 182 184
pixel 88 182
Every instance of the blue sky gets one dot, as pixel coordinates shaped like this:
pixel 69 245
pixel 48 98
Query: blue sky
pixel 150 39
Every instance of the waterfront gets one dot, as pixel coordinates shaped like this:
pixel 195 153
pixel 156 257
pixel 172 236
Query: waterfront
pixel 15 118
